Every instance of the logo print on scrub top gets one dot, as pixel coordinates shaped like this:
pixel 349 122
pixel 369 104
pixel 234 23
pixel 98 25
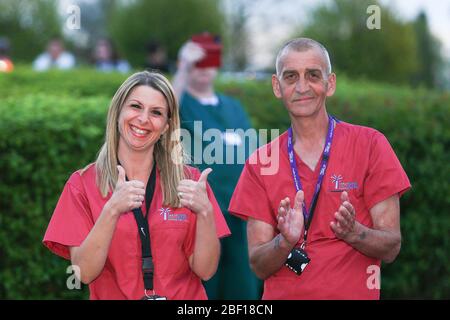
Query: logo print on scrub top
pixel 340 186
pixel 164 212
pixel 336 178
pixel 169 216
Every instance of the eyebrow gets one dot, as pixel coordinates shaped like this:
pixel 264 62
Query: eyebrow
pixel 131 100
pixel 141 104
pixel 288 72
pixel 307 70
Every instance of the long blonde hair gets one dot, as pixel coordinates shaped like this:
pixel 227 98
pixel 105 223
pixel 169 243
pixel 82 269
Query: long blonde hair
pixel 168 151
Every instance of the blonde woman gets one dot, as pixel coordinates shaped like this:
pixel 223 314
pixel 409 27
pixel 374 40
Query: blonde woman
pixel 137 223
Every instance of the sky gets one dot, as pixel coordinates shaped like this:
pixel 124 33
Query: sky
pixel 270 24
pixel 438 13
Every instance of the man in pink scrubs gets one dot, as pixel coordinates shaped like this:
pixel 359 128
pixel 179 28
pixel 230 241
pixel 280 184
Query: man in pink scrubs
pixel 324 211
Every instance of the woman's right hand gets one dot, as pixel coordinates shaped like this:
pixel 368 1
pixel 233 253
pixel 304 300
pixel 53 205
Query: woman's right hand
pixel 127 195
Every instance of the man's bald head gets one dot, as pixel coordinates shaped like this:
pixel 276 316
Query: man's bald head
pixel 300 45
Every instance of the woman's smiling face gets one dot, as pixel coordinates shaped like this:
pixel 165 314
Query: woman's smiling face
pixel 143 118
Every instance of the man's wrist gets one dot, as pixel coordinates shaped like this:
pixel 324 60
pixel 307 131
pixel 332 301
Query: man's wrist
pixel 282 244
pixel 358 235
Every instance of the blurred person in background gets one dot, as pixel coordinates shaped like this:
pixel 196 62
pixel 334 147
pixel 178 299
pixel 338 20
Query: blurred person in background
pixel 156 58
pixel 55 57
pixel 140 189
pixel 106 57
pixel 6 64
pixel 198 66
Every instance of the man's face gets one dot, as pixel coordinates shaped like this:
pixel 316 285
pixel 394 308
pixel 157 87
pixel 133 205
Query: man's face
pixel 202 77
pixel 302 83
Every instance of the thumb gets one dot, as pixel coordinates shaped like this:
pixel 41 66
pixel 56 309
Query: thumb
pixel 121 177
pixel 344 196
pixel 299 198
pixel 204 175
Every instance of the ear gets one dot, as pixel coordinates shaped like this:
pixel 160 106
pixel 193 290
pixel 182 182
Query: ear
pixel 276 86
pixel 331 89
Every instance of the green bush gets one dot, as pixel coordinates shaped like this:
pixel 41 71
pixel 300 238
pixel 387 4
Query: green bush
pixel 74 83
pixel 43 140
pixel 53 123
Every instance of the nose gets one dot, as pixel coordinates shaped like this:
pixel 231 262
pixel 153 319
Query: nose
pixel 143 116
pixel 302 84
pixel 298 85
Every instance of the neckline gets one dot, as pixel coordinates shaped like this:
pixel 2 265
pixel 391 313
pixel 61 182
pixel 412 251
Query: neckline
pixel 198 101
pixel 299 160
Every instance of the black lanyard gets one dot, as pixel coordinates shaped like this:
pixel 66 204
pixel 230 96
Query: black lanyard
pixel 308 215
pixel 144 231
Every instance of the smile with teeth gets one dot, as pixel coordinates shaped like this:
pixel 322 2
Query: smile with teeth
pixel 139 132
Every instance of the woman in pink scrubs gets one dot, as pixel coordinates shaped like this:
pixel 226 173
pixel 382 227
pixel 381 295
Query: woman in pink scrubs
pixel 138 223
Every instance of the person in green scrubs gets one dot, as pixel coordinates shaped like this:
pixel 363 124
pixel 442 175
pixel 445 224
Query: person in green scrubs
pixel 212 121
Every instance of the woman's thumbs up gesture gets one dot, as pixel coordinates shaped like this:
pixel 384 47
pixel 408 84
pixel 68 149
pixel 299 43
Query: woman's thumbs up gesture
pixel 127 195
pixel 193 194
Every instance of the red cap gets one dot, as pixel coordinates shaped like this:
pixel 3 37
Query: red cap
pixel 213 49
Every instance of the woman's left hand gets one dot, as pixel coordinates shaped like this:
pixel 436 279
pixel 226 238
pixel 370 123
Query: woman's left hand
pixel 193 194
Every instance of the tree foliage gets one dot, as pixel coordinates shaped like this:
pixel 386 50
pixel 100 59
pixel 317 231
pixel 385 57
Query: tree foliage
pixel 170 23
pixel 28 24
pixel 386 54
pixel 237 38
pixel 429 57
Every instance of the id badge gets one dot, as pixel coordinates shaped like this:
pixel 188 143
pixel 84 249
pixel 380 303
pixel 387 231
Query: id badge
pixel 297 260
pixel 153 297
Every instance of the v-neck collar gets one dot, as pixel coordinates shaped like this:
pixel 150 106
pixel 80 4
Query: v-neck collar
pixel 309 171
pixel 300 163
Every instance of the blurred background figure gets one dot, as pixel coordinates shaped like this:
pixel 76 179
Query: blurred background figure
pixel 55 57
pixel 6 64
pixel 156 58
pixel 106 57
pixel 198 66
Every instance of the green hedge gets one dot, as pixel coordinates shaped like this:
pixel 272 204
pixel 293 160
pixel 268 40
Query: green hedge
pixel 74 83
pixel 53 123
pixel 43 140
